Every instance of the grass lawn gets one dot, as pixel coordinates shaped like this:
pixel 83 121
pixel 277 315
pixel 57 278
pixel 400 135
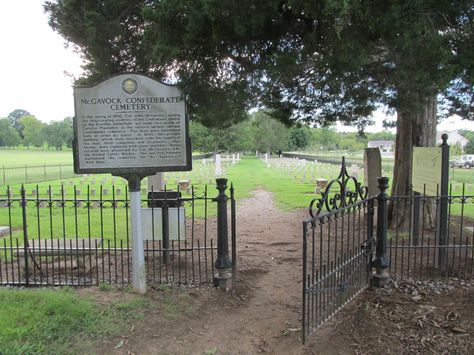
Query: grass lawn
pixel 10 158
pixel 112 224
pixel 65 321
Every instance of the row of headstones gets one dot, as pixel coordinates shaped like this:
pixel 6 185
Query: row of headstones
pixel 206 170
pixel 310 171
pixel 292 165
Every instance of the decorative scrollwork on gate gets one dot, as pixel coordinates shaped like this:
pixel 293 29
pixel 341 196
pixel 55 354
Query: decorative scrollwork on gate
pixel 342 197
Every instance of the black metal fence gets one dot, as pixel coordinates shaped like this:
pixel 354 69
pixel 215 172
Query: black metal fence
pixel 415 247
pixel 53 240
pixel 418 237
pixel 337 248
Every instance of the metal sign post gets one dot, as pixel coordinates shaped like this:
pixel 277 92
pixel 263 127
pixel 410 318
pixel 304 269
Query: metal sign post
pixel 138 255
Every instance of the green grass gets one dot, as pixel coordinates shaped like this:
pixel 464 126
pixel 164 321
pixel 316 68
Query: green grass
pixel 9 158
pixel 59 321
pixel 111 224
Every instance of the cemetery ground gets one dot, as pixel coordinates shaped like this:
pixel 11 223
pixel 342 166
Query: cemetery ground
pixel 261 315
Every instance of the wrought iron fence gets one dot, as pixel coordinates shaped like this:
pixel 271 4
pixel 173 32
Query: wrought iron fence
pixel 66 240
pixel 416 247
pixel 337 250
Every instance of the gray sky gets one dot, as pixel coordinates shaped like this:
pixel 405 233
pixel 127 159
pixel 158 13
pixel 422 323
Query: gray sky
pixel 34 60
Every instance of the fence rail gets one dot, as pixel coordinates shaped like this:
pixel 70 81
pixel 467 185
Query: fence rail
pixel 29 173
pixel 87 241
pixel 414 246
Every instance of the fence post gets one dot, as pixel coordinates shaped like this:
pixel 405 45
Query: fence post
pixel 443 207
pixel 381 262
pixel 25 235
pixel 233 231
pixel 223 277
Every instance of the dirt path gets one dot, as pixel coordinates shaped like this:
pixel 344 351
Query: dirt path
pixel 262 313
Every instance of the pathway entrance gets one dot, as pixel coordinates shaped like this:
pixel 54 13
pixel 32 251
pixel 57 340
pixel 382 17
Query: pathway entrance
pixel 263 313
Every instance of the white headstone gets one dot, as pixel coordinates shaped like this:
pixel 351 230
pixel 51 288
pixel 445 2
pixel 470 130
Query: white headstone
pixel 218 167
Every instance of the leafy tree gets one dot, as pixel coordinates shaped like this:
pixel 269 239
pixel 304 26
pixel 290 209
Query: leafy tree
pixel 32 131
pixel 303 60
pixel 8 135
pixel 269 135
pixel 67 131
pixel 54 135
pixel 14 118
pixel 381 136
pixel 352 142
pixel 325 138
pixel 299 138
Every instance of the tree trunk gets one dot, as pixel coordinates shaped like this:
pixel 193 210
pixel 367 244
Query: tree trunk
pixel 413 130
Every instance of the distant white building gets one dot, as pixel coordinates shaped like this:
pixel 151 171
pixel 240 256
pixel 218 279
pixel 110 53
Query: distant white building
pixel 453 138
pixel 384 146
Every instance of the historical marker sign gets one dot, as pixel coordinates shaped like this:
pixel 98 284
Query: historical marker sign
pixel 130 124
pixel 426 170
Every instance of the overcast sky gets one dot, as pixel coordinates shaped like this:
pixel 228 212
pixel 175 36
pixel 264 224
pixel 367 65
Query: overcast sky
pixel 34 60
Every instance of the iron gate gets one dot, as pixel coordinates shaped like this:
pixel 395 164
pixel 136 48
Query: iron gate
pixel 337 249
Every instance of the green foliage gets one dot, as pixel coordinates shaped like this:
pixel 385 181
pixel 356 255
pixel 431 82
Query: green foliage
pixel 299 138
pixel 269 135
pixel 58 134
pixel 325 138
pixel 14 118
pixel 32 131
pixel 9 137
pixel 324 61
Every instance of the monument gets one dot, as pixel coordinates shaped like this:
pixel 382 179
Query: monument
pixel 132 126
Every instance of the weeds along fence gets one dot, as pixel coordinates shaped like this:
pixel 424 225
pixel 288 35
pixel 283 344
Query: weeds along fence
pixel 66 240
pixel 29 173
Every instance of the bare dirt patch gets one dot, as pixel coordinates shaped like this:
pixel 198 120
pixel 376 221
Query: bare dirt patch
pixel 262 314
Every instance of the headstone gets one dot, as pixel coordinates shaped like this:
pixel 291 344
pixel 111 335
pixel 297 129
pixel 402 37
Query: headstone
pixel 233 159
pixel 4 230
pixel 118 191
pixel 372 169
pixel 78 192
pixel 33 192
pixel 354 171
pixel 105 191
pixel 218 167
pixel 92 192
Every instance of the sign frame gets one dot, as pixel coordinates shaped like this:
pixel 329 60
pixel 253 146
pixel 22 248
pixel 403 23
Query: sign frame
pixel 129 171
